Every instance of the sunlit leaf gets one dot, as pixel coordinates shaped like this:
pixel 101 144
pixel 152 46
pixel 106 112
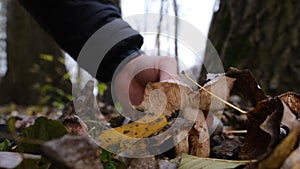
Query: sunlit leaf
pixel 101 88
pixel 121 138
pixel 67 76
pixel 47 57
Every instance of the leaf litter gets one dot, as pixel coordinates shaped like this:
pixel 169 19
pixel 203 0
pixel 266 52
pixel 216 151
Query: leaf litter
pixel 271 139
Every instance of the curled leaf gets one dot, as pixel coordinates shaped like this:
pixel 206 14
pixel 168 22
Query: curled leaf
pixel 263 128
pixel 277 157
pixel 246 85
pixel 169 97
pixel 292 100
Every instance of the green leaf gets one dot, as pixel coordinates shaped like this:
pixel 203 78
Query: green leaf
pixel 5 145
pixel 193 162
pixel 67 76
pixel 105 156
pixel 61 60
pixel 109 166
pixel 11 125
pixel 47 57
pixel 43 129
pixel 101 88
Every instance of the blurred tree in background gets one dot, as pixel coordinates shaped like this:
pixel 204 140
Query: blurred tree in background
pixel 262 36
pixel 35 63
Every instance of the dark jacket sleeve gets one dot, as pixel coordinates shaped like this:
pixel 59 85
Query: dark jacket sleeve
pixel 72 22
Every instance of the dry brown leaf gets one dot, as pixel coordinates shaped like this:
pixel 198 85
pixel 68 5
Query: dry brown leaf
pixel 263 128
pixel 278 155
pixel 144 163
pixel 292 100
pixel 220 86
pixel 152 163
pixel 197 141
pixel 73 123
pixel 246 85
pixel 86 105
pixel 289 119
pixel 169 97
pixel 73 152
pixel 198 147
pixel 200 142
pixel 182 146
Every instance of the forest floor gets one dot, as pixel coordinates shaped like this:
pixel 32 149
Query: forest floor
pixel 255 130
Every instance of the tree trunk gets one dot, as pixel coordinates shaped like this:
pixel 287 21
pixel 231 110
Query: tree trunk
pixel 262 36
pixel 27 73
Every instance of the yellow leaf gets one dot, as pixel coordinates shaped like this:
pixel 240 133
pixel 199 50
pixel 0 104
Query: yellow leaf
pixel 120 139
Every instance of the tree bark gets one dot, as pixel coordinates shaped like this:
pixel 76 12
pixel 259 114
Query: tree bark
pixel 262 36
pixel 26 41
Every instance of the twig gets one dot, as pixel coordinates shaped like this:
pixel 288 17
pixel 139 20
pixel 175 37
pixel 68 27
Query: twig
pixel 224 101
pixel 175 6
pixel 235 132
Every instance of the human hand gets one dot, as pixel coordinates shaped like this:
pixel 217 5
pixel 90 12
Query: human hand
pixel 130 82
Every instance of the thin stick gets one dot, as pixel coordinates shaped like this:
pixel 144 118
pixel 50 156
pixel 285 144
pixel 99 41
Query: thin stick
pixel 224 101
pixel 235 132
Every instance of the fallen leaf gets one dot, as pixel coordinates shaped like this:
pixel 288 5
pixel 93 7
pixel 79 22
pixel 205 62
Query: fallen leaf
pixel 199 142
pixel 73 123
pixel 292 162
pixel 120 139
pixel 43 129
pixel 85 103
pixel 73 152
pixel 292 100
pixel 189 162
pixel 142 128
pixel 223 147
pixel 277 157
pixel 263 129
pixel 168 97
pixel 11 160
pixel 289 119
pixel 165 164
pixel 183 145
pixel 5 145
pixel 145 163
pixel 246 85
pixel 220 86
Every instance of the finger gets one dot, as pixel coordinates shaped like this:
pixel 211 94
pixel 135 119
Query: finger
pixel 136 92
pixel 168 69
